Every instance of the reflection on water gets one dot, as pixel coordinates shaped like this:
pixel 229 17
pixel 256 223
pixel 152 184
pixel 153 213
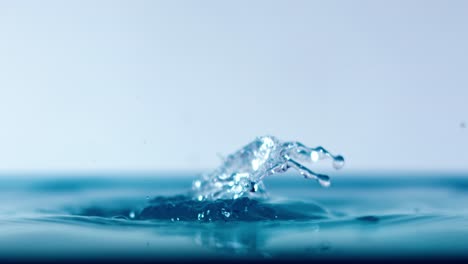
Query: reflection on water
pixel 359 217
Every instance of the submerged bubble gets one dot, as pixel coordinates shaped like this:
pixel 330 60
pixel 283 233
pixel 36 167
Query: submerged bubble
pixel 242 173
pixel 200 216
pixel 225 213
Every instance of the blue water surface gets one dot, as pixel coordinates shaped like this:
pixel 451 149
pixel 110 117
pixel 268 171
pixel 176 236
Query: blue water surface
pixel 152 216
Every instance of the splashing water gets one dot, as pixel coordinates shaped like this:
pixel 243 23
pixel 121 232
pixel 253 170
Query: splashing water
pixel 242 173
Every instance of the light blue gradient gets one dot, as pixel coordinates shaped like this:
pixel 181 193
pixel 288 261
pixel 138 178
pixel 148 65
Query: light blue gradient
pixel 166 85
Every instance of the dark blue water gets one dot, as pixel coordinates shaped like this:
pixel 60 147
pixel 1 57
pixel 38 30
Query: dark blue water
pixel 150 216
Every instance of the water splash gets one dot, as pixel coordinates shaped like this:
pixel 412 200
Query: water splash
pixel 242 173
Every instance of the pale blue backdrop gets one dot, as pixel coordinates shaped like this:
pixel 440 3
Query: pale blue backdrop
pixel 168 85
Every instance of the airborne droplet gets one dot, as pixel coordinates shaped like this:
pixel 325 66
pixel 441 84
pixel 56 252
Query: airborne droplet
pixel 338 162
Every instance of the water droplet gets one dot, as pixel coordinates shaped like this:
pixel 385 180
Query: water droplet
pixel 338 162
pixel 131 214
pixel 314 156
pixel 197 184
pixel 200 198
pixel 462 125
pixel 172 219
pixel 324 183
